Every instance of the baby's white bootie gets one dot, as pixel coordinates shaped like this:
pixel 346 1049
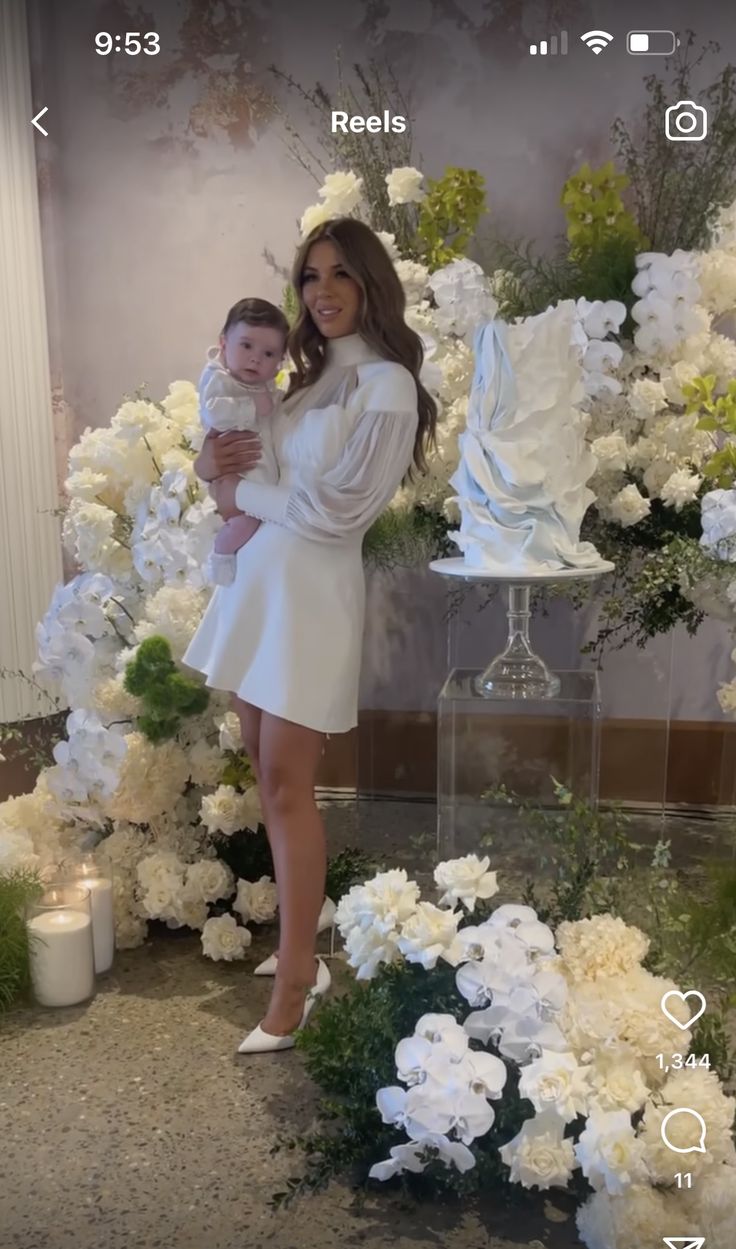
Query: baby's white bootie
pixel 220 569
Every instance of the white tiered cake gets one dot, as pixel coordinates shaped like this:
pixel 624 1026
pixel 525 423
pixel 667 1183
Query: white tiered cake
pixel 521 483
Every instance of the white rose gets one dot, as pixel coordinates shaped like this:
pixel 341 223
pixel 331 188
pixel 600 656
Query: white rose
pixel 617 1080
pixel 230 733
pixel 312 217
pixel 428 934
pixel 555 1082
pixel 256 900
pixel 539 1156
pixel 221 812
pixel 369 949
pixel 611 452
pixel 208 881
pixel 465 880
pixel 609 1153
pixel 647 397
pixel 341 192
pixel 629 506
pixel 223 938
pixel 404 185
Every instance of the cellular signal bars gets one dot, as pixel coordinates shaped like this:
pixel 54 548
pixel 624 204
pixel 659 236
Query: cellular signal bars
pixel 550 47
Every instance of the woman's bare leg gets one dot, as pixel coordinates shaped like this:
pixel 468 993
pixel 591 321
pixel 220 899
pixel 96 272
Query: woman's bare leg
pixel 289 756
pixel 250 730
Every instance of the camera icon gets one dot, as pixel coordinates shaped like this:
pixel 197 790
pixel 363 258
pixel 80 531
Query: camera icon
pixel 686 122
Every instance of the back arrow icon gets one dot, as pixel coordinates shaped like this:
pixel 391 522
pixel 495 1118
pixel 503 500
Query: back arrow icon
pixel 35 122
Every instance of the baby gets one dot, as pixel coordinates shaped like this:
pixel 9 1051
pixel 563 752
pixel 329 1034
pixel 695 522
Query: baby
pixel 237 391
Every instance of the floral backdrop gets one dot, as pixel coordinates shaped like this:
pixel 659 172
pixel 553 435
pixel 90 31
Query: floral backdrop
pixel 507 1066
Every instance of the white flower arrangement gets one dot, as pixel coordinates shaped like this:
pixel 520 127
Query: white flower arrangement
pixel 576 1016
pixel 139 525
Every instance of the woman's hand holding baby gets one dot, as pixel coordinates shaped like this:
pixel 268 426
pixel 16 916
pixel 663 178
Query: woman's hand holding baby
pixel 223 491
pixel 234 452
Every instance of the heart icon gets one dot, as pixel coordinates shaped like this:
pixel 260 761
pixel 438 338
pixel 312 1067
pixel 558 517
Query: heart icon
pixel 683 998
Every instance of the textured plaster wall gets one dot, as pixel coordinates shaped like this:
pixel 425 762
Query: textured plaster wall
pixel 164 179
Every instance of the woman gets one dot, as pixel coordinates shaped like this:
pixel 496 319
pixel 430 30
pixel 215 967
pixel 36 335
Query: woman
pixel 286 636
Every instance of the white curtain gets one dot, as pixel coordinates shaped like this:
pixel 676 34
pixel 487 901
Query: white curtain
pixel 30 548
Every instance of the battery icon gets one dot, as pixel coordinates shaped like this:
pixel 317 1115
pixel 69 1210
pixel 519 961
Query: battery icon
pixel 651 42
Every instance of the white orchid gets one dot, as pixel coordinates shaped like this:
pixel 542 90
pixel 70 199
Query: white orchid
pixel 410 1157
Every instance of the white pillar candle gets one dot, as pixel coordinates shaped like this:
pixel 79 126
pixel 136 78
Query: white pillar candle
pixel 62 957
pixel 93 871
pixel 103 920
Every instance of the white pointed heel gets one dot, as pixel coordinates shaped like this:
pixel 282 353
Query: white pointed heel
pixel 326 921
pixel 260 1042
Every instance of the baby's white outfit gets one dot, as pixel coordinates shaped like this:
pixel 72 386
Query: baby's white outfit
pixel 226 403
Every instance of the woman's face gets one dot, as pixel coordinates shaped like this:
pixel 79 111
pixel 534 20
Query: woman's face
pixel 332 297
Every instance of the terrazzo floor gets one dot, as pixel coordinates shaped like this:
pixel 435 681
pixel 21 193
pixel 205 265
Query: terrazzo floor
pixel 132 1122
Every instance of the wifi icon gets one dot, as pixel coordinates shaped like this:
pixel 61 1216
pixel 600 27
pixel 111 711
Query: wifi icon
pixel 597 40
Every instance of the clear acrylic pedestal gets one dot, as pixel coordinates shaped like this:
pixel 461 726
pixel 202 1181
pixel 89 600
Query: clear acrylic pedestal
pixel 524 745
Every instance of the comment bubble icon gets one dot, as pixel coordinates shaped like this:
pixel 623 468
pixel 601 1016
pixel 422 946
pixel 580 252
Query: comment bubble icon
pixel 702 1130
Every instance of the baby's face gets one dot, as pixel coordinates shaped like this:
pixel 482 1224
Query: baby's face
pixel 252 353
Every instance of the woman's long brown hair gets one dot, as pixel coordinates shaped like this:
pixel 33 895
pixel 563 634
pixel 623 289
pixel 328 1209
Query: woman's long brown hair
pixel 381 321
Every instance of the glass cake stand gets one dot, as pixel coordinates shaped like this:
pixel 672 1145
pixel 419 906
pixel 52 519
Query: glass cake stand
pixel 518 672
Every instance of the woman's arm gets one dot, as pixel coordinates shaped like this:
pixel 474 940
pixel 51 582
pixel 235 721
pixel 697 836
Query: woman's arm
pixel 234 452
pixel 349 497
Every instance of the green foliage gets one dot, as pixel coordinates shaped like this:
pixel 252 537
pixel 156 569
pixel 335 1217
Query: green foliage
pixel 530 283
pixel 17 889
pixel 349 867
pixel 596 212
pixel 247 853
pixel 678 188
pixel 32 740
pixel 656 561
pixel 719 419
pixel 289 304
pixel 238 771
pixel 407 537
pixel 449 215
pixel 168 696
pixel 581 849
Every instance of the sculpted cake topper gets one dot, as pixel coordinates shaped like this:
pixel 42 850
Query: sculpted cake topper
pixel 521 482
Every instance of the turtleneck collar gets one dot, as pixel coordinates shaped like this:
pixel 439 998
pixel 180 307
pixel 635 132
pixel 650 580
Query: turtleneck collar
pixel 350 349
